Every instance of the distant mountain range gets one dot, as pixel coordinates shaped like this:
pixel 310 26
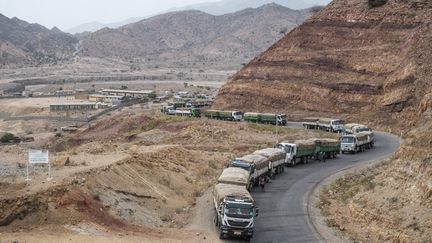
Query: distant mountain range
pixel 214 8
pixel 181 37
pixel 94 26
pixel 22 42
pixel 195 35
pixel 231 6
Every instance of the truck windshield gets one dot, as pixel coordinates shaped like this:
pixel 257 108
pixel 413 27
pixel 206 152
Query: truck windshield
pixel 241 164
pixel 237 113
pixel 337 122
pixel 237 210
pixel 286 148
pixel 347 140
pixel 363 129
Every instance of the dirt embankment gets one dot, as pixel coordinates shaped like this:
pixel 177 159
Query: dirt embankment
pixel 133 172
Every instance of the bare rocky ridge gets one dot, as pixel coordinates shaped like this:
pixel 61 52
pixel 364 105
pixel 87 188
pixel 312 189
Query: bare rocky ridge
pixel 32 44
pixel 345 59
pixel 196 36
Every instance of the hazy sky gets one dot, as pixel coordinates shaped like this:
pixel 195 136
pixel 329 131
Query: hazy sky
pixel 66 14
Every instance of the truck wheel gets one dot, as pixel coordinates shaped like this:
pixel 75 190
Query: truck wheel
pixel 247 238
pixel 221 236
pixel 216 219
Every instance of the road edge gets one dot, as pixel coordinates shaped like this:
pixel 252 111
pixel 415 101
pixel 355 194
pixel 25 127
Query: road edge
pixel 315 219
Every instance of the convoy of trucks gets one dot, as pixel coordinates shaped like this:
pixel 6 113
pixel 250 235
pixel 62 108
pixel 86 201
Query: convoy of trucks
pixel 235 211
pixel 194 110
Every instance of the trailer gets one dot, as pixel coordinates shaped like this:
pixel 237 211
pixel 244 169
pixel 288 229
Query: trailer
pixel 235 211
pixel 191 112
pixel 223 115
pixel 323 124
pixel 276 159
pixel 235 176
pixel 326 148
pixel 255 164
pixel 300 151
pixel 266 118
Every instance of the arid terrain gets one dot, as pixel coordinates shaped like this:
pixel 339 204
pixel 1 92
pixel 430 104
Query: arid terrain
pixel 137 175
pixel 134 175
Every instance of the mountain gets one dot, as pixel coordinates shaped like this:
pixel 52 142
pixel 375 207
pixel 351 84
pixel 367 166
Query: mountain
pixel 231 6
pixel 196 36
pixel 346 59
pixel 94 26
pixel 22 42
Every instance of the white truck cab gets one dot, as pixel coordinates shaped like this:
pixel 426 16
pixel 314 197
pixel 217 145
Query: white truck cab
pixel 237 115
pixel 336 125
pixel 290 150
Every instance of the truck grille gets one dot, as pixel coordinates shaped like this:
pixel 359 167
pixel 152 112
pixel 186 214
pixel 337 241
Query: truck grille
pixel 238 224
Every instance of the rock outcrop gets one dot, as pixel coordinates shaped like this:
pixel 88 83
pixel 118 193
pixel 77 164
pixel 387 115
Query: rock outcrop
pixel 346 59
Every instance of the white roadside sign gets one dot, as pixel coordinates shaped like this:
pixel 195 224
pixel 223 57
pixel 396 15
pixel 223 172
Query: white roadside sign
pixel 38 157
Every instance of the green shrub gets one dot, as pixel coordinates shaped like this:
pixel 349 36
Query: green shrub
pixel 7 137
pixel 376 3
pixel 152 95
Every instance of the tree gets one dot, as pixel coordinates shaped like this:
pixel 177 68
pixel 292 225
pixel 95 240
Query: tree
pixel 152 95
pixel 7 137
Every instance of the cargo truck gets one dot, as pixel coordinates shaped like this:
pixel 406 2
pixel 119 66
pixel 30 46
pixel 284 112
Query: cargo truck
pixel 192 112
pixel 235 211
pixel 354 128
pixel 298 151
pixel 326 148
pixel 324 124
pixel 276 159
pixel 224 115
pixel 168 109
pixel 266 118
pixel 255 164
pixel 354 143
pixel 235 176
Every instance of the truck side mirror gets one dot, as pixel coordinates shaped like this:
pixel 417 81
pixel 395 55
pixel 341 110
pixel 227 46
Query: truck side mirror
pixel 256 212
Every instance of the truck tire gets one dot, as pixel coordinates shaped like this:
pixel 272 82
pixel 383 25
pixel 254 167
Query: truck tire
pixel 221 235
pixel 216 219
pixel 247 238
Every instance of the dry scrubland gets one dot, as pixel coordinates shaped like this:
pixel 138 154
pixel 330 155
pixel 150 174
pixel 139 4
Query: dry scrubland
pixel 134 171
pixel 392 202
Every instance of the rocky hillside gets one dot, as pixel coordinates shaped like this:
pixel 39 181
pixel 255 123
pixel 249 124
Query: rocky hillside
pixel 347 58
pixel 196 36
pixel 22 42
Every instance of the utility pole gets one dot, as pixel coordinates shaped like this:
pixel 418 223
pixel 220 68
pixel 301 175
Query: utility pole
pixel 277 134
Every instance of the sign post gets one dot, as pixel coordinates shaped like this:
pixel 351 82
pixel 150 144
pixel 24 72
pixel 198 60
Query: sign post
pixel 39 157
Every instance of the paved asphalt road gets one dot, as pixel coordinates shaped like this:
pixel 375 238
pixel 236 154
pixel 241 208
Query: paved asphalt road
pixel 283 216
